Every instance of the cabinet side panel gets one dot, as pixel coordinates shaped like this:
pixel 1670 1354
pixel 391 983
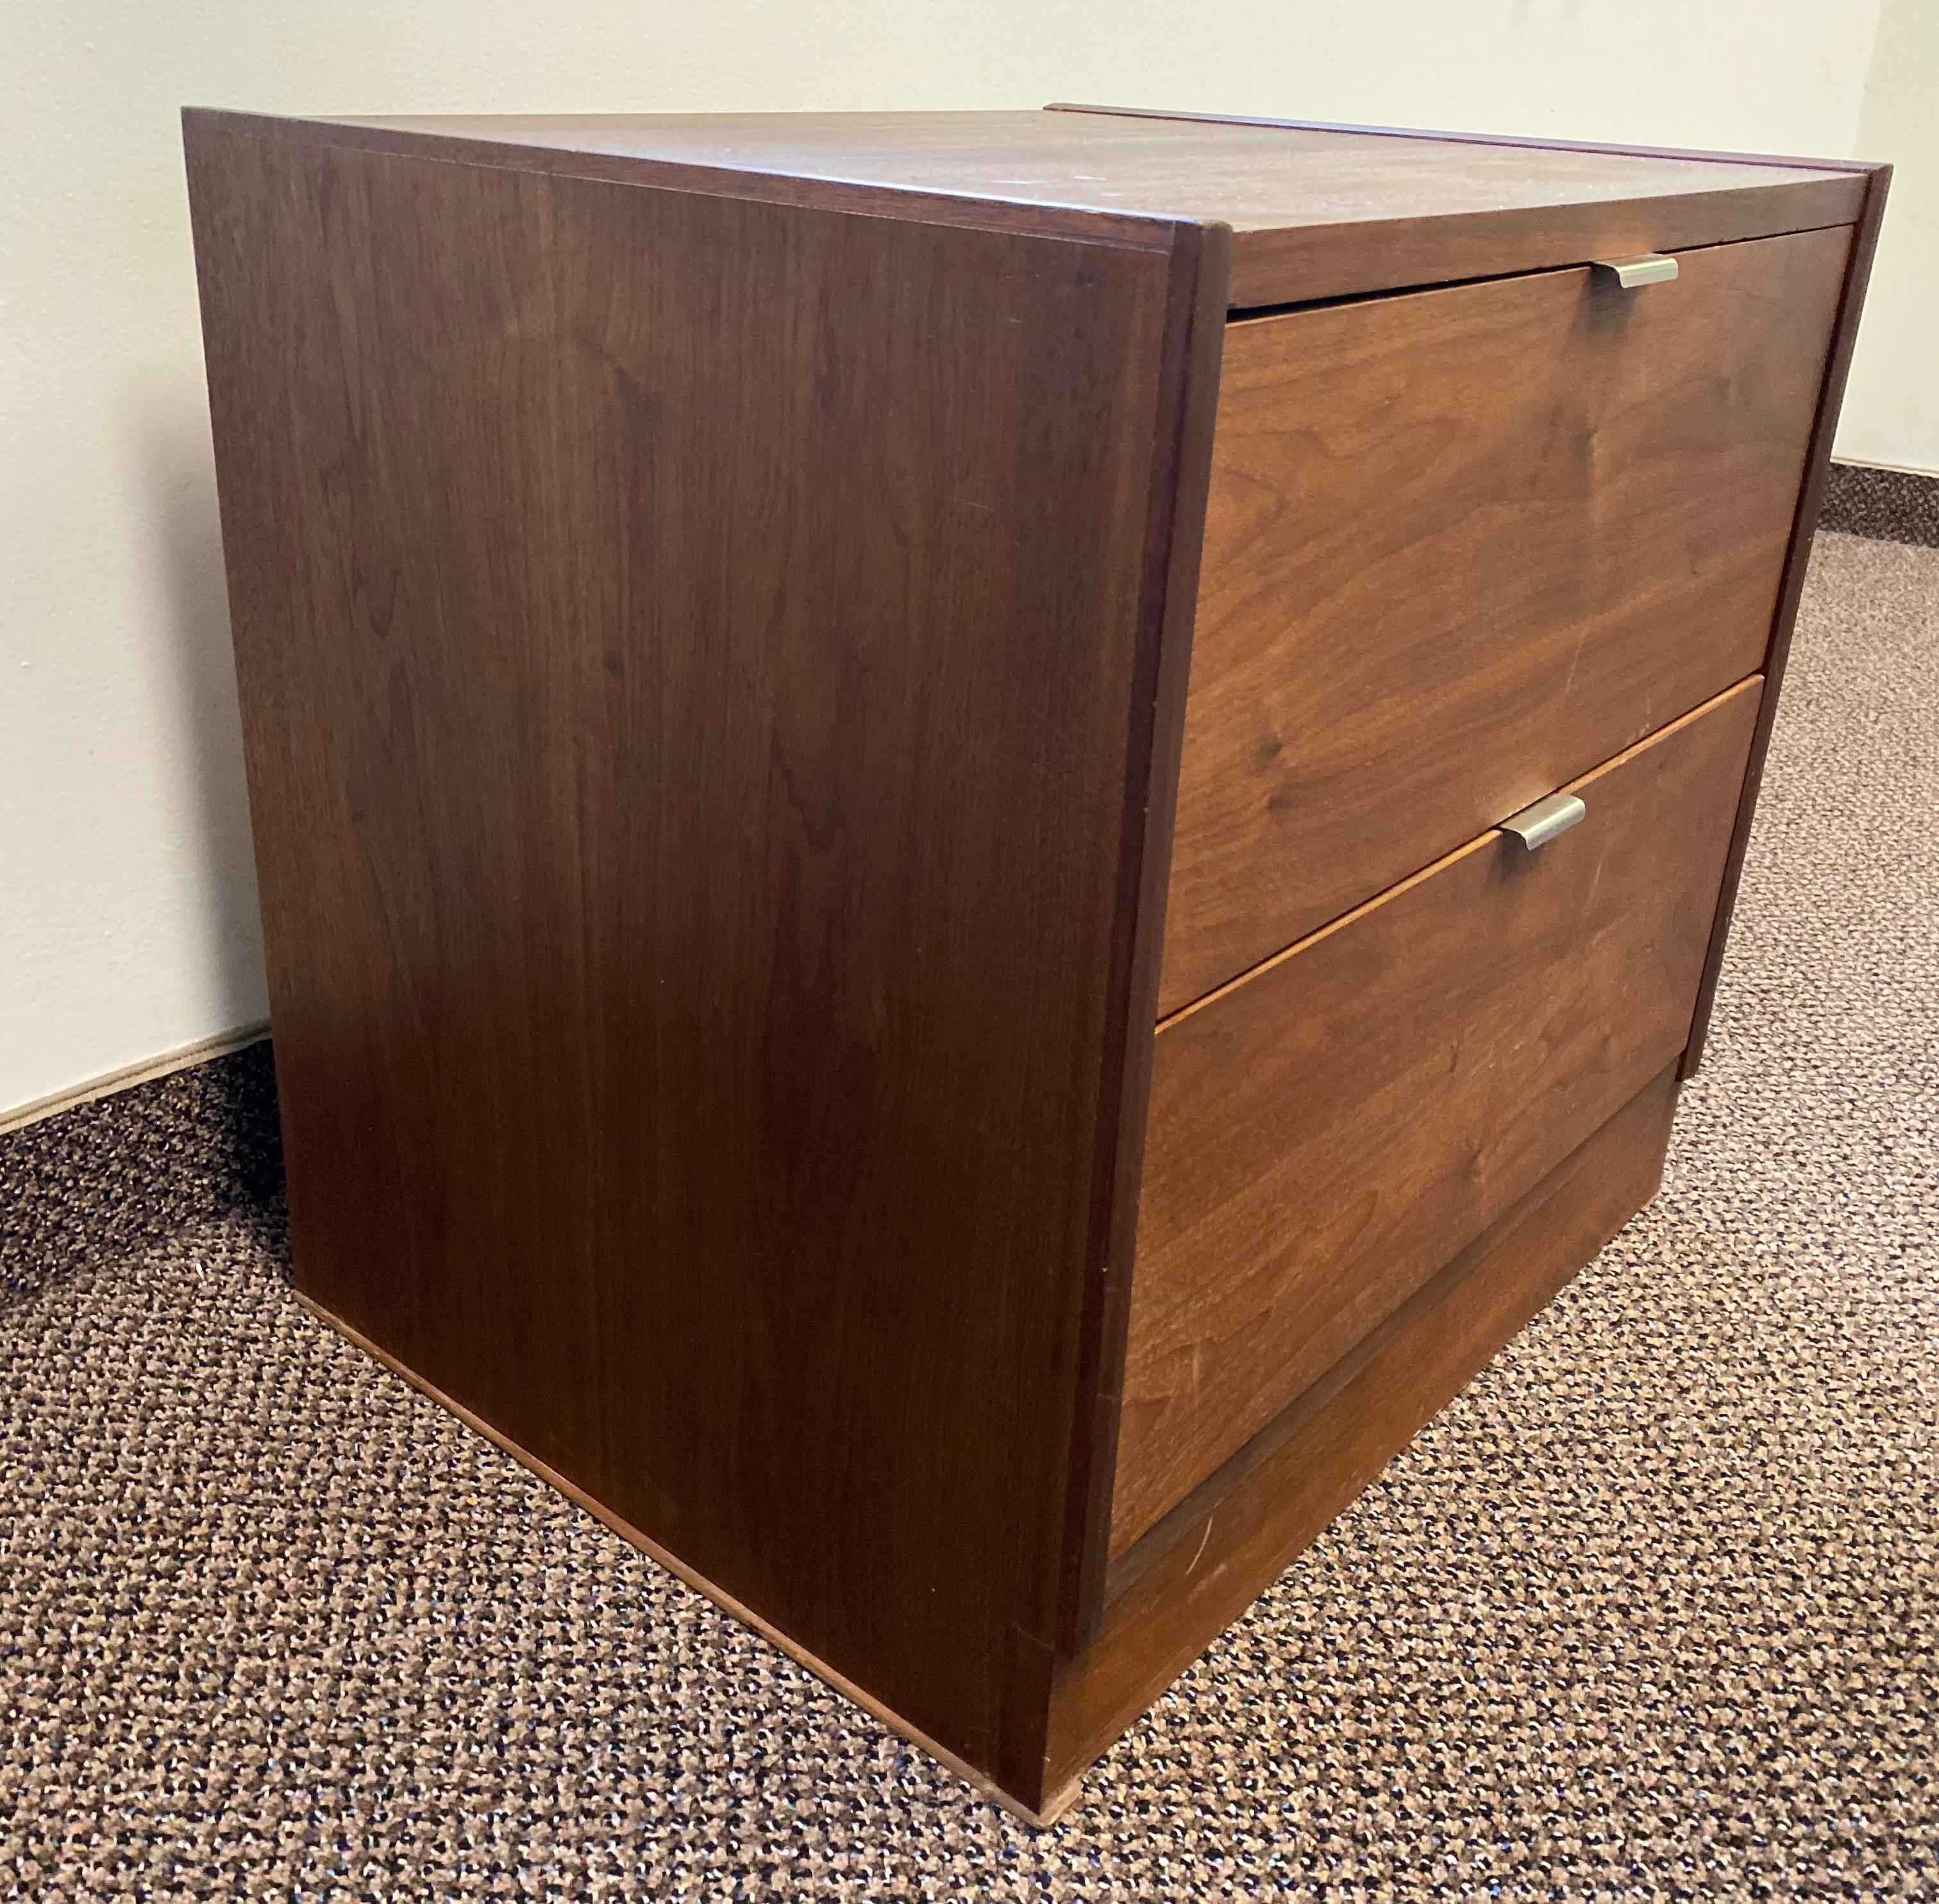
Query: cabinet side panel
pixel 686 648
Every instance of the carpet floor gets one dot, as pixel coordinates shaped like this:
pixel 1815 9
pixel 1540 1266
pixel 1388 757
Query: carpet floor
pixel 1649 1611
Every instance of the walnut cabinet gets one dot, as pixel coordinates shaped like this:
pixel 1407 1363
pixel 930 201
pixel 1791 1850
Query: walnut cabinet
pixel 985 837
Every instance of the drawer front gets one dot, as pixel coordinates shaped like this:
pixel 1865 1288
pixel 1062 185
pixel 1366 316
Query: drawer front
pixel 1462 545
pixel 1326 1133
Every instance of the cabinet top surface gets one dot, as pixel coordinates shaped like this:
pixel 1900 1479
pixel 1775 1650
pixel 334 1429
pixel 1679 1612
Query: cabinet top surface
pixel 1251 177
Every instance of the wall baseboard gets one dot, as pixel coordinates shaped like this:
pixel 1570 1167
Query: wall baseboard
pixel 1867 499
pixel 1892 468
pixel 200 1052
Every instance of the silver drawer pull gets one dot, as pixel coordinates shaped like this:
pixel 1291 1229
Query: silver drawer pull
pixel 1651 268
pixel 1553 814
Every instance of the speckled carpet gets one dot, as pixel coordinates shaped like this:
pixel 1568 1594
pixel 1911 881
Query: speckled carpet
pixel 1650 1611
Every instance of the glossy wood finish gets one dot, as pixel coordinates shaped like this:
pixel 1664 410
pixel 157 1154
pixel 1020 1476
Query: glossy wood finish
pixel 1175 541
pixel 1326 1132
pixel 1314 213
pixel 1196 1574
pixel 1461 546
pixel 697 826
pixel 1521 141
pixel 714 604
pixel 1407 248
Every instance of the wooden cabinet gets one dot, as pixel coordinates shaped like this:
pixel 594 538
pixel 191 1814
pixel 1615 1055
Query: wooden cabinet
pixel 1326 1132
pixel 878 746
pixel 1462 545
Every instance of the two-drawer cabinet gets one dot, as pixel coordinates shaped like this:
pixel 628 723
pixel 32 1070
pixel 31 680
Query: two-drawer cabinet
pixel 985 837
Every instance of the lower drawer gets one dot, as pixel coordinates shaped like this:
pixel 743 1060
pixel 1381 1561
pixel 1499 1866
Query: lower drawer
pixel 1167 1601
pixel 1327 1131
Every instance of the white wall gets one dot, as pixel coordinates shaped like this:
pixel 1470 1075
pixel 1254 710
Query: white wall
pixel 127 906
pixel 1892 403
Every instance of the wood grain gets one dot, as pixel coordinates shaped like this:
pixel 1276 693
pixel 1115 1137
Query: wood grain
pixel 662 1556
pixel 1326 1133
pixel 713 607
pixel 1196 1574
pixel 688 650
pixel 1315 212
pixel 1805 194
pixel 1187 409
pixel 1464 545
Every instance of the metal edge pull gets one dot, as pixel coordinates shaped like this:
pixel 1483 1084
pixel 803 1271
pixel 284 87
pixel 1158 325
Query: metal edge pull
pixel 1553 814
pixel 1650 267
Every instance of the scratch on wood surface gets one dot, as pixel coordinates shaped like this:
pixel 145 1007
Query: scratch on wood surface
pixel 1203 1539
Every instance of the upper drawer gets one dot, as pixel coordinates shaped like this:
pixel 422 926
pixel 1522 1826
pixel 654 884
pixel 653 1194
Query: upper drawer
pixel 1327 1132
pixel 1461 546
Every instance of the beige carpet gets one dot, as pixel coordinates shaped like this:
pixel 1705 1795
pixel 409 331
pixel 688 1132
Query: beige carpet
pixel 1650 1611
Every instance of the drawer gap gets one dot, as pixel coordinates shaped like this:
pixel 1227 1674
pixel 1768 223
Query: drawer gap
pixel 1247 313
